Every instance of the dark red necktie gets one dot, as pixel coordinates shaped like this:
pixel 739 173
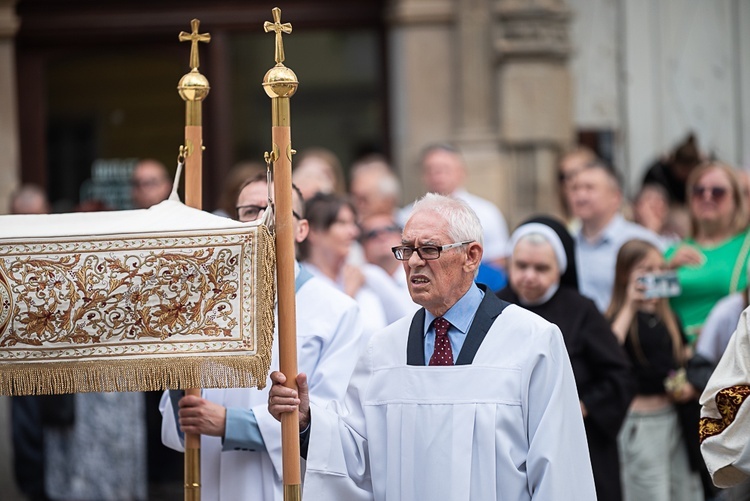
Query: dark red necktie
pixel 443 354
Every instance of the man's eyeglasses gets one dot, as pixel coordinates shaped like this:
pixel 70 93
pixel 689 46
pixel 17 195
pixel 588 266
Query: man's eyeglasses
pixel 247 213
pixel 717 192
pixel 426 252
pixel 376 232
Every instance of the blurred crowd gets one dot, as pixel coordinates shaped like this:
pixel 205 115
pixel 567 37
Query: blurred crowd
pixel 646 291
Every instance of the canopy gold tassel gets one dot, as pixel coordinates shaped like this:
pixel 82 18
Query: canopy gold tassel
pixel 193 89
pixel 280 83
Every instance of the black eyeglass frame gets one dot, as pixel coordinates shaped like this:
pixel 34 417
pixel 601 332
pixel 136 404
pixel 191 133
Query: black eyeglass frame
pixel 260 208
pixel 403 250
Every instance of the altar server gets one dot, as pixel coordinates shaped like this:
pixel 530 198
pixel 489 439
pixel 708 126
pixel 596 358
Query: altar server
pixel 470 399
pixel 241 443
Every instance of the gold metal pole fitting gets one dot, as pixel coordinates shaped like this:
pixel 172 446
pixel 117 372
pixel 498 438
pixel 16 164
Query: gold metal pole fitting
pixel 193 87
pixel 192 474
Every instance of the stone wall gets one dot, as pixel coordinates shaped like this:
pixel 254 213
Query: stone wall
pixel 491 76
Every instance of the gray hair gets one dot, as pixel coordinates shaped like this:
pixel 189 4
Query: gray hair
pixel 463 223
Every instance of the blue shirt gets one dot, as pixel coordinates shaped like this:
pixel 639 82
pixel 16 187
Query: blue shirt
pixel 595 259
pixel 460 315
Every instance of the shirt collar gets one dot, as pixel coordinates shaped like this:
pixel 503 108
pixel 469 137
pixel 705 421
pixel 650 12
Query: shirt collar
pixel 608 234
pixel 614 227
pixel 461 314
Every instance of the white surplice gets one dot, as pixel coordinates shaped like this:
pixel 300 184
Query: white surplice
pixel 393 295
pixel 725 416
pixel 370 307
pixel 507 427
pixel 328 342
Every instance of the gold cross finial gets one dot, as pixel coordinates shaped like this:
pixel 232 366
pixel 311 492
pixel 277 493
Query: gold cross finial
pixel 194 38
pixel 278 28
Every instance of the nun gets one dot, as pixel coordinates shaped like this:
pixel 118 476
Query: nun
pixel 542 280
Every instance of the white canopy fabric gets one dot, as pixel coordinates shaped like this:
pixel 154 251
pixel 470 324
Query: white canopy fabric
pixel 168 297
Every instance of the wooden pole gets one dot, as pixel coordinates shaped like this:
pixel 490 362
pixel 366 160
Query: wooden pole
pixel 193 88
pixel 280 83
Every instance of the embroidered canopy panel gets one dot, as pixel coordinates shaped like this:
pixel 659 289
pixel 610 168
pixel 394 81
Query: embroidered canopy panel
pixel 169 297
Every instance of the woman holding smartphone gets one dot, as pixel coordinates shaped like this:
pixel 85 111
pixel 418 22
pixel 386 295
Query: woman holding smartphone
pixel 652 442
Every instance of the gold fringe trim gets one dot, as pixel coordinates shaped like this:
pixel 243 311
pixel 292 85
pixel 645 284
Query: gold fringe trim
pixel 265 264
pixel 192 371
pixel 133 375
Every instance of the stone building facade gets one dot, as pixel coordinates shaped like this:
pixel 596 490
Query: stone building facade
pixel 510 81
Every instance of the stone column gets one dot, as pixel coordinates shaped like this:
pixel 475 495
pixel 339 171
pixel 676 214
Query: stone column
pixel 493 76
pixel 535 98
pixel 443 89
pixel 9 141
pixel 476 129
pixel 421 44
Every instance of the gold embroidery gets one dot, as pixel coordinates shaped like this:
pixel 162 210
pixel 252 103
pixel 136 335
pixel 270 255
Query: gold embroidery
pixel 728 402
pixel 136 313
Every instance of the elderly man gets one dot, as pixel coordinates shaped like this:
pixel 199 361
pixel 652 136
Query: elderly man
pixel 241 446
pixel 471 399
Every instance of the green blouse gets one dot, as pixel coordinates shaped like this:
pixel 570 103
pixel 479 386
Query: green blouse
pixel 704 285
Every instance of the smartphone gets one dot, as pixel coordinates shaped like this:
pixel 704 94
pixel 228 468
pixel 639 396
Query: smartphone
pixel 664 284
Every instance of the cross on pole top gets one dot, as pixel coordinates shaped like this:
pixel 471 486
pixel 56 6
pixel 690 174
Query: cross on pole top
pixel 194 38
pixel 278 28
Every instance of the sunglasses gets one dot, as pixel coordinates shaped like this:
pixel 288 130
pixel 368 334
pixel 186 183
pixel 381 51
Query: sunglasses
pixel 376 232
pixel 717 193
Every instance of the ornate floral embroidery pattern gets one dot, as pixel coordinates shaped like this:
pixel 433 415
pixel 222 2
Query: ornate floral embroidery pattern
pixel 137 312
pixel 728 402
pixel 125 297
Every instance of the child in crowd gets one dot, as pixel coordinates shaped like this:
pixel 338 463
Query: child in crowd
pixel 653 454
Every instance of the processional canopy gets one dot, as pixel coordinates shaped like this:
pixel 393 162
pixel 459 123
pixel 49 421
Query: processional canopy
pixel 169 297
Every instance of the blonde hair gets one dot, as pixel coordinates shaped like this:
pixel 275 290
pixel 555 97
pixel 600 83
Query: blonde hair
pixel 739 219
pixel 630 254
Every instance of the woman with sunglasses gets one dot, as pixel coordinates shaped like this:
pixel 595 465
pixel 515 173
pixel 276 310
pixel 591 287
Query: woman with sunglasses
pixel 712 262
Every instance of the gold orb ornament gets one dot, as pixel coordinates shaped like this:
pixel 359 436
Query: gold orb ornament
pixel 280 81
pixel 193 86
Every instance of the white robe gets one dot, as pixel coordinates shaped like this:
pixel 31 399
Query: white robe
pixel 370 307
pixel 725 445
pixel 506 427
pixel 328 340
pixel 393 295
